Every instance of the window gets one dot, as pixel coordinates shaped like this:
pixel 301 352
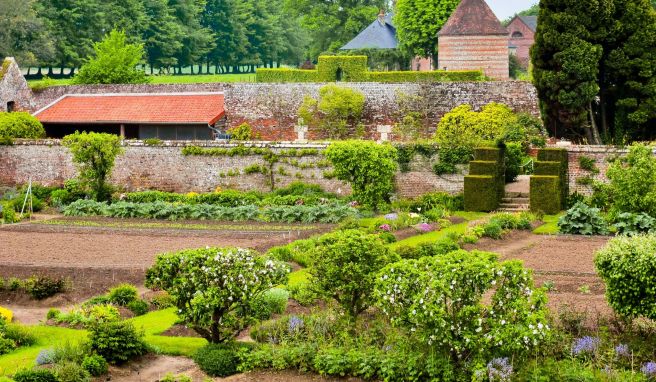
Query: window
pixel 11 106
pixel 517 34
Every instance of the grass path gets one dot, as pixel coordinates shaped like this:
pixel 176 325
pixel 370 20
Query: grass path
pixel 153 324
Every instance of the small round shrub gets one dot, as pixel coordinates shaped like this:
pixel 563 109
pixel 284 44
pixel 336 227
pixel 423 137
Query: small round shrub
pixel 6 345
pixel 138 307
pixel 42 287
pixel 387 237
pixel 123 294
pixel 95 365
pixel 35 375
pixel 117 342
pixel 71 372
pixel 217 360
pixel 628 265
pixel 271 302
pixel 52 314
pixel 20 125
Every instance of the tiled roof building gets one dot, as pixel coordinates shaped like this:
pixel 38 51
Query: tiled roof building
pixel 522 36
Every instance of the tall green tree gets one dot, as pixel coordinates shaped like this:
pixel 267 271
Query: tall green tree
pixel 162 35
pixel 222 17
pixel 418 22
pixel 127 15
pixel 197 40
pixel 594 67
pixel 22 34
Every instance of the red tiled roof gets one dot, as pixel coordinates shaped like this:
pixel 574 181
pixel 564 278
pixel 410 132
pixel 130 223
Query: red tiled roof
pixel 473 18
pixel 181 108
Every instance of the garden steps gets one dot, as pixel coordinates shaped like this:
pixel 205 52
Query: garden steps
pixel 515 202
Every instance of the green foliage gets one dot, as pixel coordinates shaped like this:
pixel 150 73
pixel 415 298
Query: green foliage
pixel 514 161
pixel 8 213
pixel 545 194
pixel 441 299
pixel 336 113
pixel 243 132
pixel 271 302
pixel 35 375
pixel 627 266
pixel 116 341
pixel 20 125
pixel 123 294
pixel 419 21
pixel 345 266
pixel 286 75
pixel 352 68
pixel 71 372
pixel 632 185
pixel 588 164
pixel 435 200
pixel 219 360
pixel 95 365
pixel 115 62
pixel 583 220
pixel 367 166
pixel 213 288
pixel 42 287
pixel 481 193
pixel 438 248
pixel 138 307
pixel 94 155
pixel 631 224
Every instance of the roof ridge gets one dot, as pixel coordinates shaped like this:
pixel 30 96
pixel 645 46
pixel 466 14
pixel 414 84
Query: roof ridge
pixel 473 18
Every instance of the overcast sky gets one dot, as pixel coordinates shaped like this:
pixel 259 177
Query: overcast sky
pixel 506 8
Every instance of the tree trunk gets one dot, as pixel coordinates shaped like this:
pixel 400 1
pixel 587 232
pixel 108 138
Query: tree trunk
pixel 595 137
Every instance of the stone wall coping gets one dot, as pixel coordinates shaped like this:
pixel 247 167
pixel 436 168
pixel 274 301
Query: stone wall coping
pixel 218 144
pixel 592 148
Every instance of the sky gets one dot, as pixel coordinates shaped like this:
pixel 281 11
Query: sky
pixel 506 8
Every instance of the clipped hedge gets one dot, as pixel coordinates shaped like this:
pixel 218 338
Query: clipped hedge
pixel 286 75
pixel 478 167
pixel 547 168
pixel 545 194
pixel 20 125
pixel 354 68
pixel 480 193
pixel 433 76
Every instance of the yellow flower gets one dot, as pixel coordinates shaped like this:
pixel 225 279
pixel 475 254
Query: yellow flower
pixel 6 313
pixel 192 195
pixel 218 189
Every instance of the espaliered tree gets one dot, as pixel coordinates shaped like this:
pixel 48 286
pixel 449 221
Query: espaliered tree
pixel 593 66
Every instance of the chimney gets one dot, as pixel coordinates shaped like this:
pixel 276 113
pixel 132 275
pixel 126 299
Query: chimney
pixel 381 17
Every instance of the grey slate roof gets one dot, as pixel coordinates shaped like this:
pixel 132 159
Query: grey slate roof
pixel 530 21
pixel 376 36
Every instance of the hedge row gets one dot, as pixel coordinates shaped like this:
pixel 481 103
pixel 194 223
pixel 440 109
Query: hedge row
pixel 485 184
pixel 286 75
pixel 550 183
pixel 433 76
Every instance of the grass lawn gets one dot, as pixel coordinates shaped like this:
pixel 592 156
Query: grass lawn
pixel 550 226
pixel 184 79
pixel 154 323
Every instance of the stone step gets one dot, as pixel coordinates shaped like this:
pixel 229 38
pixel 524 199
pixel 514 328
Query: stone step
pixel 513 210
pixel 517 195
pixel 516 200
pixel 514 205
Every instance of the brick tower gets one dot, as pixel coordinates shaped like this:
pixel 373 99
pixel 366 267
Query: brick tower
pixel 474 39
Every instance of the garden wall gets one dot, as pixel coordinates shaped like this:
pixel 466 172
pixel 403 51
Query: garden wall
pixel 600 155
pixel 165 168
pixel 272 108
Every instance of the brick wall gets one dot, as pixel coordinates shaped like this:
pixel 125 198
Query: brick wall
pixel 489 53
pixel 165 168
pixel 272 108
pixel 601 156
pixel 524 43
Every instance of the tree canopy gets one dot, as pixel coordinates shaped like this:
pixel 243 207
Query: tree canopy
pixel 418 22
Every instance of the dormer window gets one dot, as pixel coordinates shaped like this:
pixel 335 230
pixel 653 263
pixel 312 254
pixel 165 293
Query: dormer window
pixel 11 106
pixel 517 34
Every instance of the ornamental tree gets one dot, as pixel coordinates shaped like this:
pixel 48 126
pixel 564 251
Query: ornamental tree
pixel 442 300
pixel 418 22
pixel 214 288
pixel 346 263
pixel 94 154
pixel 114 62
pixel 367 166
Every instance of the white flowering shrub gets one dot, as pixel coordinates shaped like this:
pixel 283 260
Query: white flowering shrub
pixel 467 306
pixel 213 288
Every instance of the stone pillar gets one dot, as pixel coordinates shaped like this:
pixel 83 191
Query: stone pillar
pixel 385 131
pixel 301 130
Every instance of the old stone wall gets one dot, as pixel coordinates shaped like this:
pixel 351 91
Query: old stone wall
pixel 601 156
pixel 165 168
pixel 489 53
pixel 272 109
pixel 13 87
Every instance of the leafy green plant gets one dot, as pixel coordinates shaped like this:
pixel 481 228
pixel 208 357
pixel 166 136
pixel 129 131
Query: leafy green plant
pixel 583 220
pixel 243 132
pixel 634 224
pixel 588 164
pixel 138 307
pixel 271 302
pixel 8 213
pixel 213 288
pixel 20 125
pixel 337 113
pixel 219 360
pixel 152 141
pixel 345 266
pixel 35 375
pixel 42 287
pixel 123 294
pixel 94 155
pixel 95 365
pixel 71 372
pixel 627 267
pixel 368 167
pixel 117 342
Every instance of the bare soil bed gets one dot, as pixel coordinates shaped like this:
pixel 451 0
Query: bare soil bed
pixel 567 262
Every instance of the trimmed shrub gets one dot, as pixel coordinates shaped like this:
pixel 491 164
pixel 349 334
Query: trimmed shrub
pixel 138 307
pixel 35 375
pixel 218 360
pixel 123 294
pixel 583 220
pixel 481 193
pixel 20 125
pixel 353 68
pixel 117 342
pixel 545 194
pixel 433 76
pixel 95 365
pixel 286 75
pixel 627 266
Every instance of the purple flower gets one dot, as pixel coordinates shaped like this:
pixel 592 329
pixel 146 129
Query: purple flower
pixel 623 350
pixel 425 227
pixel 649 369
pixel 499 369
pixel 586 345
pixel 45 357
pixel 295 324
pixel 385 227
pixel 391 216
pixel 354 204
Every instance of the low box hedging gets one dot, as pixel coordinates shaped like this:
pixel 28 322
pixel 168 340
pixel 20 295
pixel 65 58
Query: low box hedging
pixel 490 154
pixel 481 193
pixel 482 168
pixel 546 194
pixel 552 155
pixel 553 162
pixel 354 68
pixel 433 76
pixel 287 75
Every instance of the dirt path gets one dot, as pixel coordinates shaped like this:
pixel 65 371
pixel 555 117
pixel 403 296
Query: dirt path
pixel 565 263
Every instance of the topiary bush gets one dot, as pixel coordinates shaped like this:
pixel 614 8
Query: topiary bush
pixel 213 288
pixel 116 341
pixel 123 294
pixel 368 167
pixel 218 360
pixel 20 125
pixel 35 375
pixel 627 266
pixel 345 266
pixel 583 220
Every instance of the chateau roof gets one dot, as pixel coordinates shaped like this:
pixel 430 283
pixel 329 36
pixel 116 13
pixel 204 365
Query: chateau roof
pixel 180 108
pixel 381 34
pixel 473 18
